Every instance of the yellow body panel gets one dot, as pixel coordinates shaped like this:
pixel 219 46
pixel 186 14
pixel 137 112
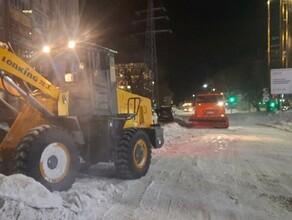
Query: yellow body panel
pixel 27 119
pixel 63 104
pixel 144 117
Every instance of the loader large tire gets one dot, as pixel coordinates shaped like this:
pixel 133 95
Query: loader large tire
pixel 133 154
pixel 49 155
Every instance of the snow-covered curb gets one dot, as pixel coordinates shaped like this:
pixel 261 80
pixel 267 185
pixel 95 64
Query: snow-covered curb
pixel 279 120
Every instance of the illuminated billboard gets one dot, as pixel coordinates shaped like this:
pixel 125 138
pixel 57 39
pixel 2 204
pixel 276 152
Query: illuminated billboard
pixel 281 81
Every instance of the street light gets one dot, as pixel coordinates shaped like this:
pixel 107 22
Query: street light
pixel 205 86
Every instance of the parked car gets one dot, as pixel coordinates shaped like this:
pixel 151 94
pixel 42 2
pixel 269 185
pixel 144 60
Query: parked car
pixel 188 107
pixel 285 106
pixel 165 114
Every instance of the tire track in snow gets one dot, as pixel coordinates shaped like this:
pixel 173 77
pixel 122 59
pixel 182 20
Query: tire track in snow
pixel 270 185
pixel 248 169
pixel 129 200
pixel 163 198
pixel 219 172
pixel 154 201
pixel 155 204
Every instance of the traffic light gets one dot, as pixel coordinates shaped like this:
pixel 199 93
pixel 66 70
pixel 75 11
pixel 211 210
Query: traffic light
pixel 232 100
pixel 272 105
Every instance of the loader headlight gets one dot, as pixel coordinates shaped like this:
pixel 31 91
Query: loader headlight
pixel 46 49
pixel 71 44
pixel 69 77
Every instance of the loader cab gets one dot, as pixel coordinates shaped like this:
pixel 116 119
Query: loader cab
pixel 88 74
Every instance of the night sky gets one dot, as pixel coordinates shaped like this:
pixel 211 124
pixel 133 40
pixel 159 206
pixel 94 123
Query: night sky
pixel 208 36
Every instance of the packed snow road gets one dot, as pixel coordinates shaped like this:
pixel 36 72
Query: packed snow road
pixel 243 172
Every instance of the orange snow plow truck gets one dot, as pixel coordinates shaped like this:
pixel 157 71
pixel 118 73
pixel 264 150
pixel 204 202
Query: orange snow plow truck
pixel 210 111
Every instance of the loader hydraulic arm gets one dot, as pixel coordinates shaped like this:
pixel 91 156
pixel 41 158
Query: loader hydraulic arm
pixel 12 64
pixel 40 108
pixel 30 99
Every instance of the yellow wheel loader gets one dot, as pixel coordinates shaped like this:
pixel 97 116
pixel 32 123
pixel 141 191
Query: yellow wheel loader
pixel 78 117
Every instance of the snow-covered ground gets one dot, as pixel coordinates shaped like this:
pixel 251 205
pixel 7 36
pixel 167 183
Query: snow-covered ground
pixel 235 173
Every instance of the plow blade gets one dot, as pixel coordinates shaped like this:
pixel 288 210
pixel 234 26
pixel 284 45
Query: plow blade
pixel 210 123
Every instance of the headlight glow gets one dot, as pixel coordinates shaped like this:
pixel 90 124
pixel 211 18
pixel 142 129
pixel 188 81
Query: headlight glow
pixel 220 103
pixel 71 44
pixel 46 49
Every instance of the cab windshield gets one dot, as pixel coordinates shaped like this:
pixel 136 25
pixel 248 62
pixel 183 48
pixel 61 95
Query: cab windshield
pixel 209 99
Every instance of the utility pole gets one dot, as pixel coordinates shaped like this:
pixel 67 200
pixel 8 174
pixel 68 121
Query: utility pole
pixel 150 55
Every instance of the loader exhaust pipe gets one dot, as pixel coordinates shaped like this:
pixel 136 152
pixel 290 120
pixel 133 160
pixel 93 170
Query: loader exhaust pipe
pixel 30 99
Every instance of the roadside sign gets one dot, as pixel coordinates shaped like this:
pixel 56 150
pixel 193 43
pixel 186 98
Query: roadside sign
pixel 281 81
pixel 266 98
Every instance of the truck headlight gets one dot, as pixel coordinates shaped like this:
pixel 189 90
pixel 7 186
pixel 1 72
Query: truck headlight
pixel 220 103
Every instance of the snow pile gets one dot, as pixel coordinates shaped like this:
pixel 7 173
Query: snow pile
pixel 175 134
pixel 281 120
pixel 26 190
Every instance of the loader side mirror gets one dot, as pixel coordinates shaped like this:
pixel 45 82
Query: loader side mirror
pixel 104 60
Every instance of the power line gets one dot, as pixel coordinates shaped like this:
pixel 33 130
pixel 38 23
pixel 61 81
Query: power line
pixel 150 54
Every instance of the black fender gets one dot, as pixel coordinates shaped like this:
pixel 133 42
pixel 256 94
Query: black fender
pixel 72 125
pixel 155 134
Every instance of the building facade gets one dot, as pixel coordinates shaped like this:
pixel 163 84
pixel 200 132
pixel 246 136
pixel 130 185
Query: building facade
pixel 136 78
pixel 16 25
pixel 279 33
pixel 30 24
pixel 64 20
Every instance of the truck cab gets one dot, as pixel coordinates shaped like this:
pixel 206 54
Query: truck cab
pixel 210 111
